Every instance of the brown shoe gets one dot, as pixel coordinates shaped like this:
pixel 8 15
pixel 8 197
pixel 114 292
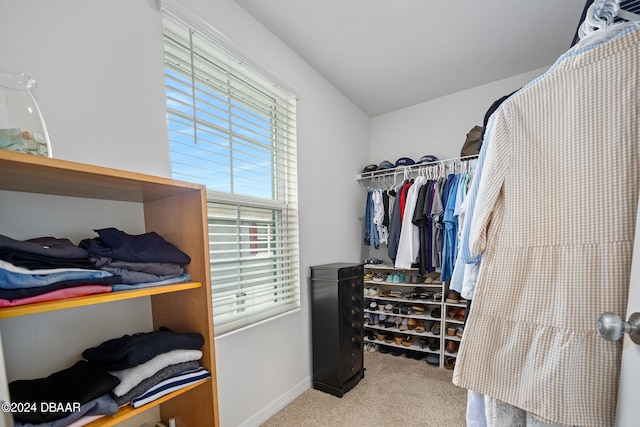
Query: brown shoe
pixel 408 340
pixel 452 346
pixel 450 363
pixel 460 315
pixel 411 323
pixel 453 297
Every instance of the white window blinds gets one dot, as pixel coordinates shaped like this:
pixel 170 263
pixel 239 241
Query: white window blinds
pixel 233 130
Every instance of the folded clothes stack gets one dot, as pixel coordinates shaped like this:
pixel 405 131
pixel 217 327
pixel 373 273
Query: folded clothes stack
pixel 63 397
pixel 47 268
pixel 136 369
pixel 140 260
pixel 50 268
pixel 150 365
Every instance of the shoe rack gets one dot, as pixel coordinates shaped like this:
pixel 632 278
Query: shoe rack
pixel 407 314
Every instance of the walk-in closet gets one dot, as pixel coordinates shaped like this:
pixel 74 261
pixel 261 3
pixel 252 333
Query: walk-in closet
pixel 267 213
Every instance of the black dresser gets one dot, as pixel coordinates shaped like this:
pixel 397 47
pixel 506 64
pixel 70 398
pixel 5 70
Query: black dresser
pixel 336 323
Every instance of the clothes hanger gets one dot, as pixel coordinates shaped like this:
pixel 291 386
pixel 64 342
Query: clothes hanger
pixel 601 15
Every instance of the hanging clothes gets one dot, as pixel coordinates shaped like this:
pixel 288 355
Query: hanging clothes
pixel 370 231
pixel 542 224
pixel 409 243
pixel 436 225
pixel 395 224
pixel 420 220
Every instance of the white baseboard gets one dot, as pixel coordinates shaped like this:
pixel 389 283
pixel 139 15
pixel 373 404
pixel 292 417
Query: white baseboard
pixel 260 417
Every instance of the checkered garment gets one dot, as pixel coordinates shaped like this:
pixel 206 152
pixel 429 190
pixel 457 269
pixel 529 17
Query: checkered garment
pixel 554 221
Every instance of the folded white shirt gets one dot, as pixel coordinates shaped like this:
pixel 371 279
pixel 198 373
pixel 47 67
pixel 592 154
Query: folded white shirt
pixel 131 377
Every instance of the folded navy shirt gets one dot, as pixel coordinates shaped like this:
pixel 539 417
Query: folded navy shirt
pixel 81 383
pixel 43 252
pixel 148 247
pixel 132 350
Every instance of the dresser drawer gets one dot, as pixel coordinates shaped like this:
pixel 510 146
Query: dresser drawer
pixel 351 363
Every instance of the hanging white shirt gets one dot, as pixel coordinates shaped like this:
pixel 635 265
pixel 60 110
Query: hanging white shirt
pixel 409 244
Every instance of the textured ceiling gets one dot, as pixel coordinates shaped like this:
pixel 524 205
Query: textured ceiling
pixel 385 55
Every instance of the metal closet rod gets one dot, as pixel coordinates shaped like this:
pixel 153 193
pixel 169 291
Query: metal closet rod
pixel 406 169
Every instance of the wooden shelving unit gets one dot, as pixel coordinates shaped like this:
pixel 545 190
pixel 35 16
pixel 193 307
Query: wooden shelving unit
pixel 177 211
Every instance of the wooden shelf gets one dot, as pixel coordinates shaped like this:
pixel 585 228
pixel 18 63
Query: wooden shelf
pixel 36 174
pixel 177 211
pixel 42 307
pixel 129 411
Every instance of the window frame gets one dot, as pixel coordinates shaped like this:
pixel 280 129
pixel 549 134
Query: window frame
pixel 283 201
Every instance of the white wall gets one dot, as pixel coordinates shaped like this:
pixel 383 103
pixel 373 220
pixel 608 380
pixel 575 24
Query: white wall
pixel 100 72
pixel 440 126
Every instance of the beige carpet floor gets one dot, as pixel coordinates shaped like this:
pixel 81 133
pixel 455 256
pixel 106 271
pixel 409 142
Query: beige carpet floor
pixel 395 391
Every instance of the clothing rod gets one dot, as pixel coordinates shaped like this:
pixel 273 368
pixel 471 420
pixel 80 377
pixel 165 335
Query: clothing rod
pixel 406 169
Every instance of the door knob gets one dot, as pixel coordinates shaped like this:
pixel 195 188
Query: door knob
pixel 612 327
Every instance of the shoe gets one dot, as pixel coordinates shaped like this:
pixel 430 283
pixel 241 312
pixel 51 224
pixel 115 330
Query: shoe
pixel 459 332
pixel 384 349
pixel 391 278
pixel 428 324
pixel 379 277
pixel 417 355
pixel 388 338
pixel 411 323
pixel 417 292
pixel 388 308
pixel 418 309
pixel 460 315
pixel 420 326
pixel 434 344
pixel 408 341
pixel 453 297
pixel 450 363
pixel 451 312
pixel 433 359
pixel 435 330
pixel 405 309
pixel 399 339
pixel 371 335
pixel 397 351
pixel 397 321
pixel 380 336
pixel 404 325
pixel 436 312
pixel 451 331
pixel 374 292
pixel 452 346
pixel 437 297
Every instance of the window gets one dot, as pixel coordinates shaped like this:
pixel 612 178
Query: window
pixel 233 130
